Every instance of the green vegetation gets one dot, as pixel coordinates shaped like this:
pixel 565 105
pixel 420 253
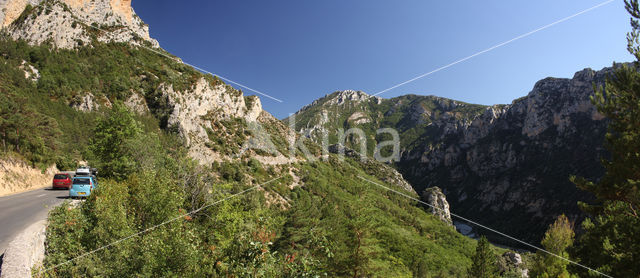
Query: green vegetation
pixel 227 136
pixel 611 238
pixel 333 225
pixel 370 231
pixel 179 218
pixel 113 143
pixel 37 121
pixel 484 261
pixel 393 113
pixel 556 240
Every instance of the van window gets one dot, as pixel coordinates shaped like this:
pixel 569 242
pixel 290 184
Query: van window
pixel 82 181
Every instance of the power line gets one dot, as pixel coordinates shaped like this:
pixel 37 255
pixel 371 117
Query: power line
pixel 182 62
pixel 159 225
pixel 485 227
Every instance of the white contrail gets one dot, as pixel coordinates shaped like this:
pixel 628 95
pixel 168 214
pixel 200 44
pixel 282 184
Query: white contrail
pixel 493 47
pixel 182 62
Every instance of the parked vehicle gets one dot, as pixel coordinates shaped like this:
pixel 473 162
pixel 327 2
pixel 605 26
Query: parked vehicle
pixel 83 171
pixel 82 186
pixel 62 180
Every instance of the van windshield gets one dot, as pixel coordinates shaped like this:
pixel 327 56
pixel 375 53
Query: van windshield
pixel 82 181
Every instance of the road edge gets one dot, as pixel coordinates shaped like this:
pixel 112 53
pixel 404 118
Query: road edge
pixel 25 251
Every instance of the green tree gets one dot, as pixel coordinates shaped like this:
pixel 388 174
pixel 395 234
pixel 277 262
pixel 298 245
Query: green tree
pixel 111 144
pixel 610 242
pixel 484 261
pixel 556 240
pixel 32 134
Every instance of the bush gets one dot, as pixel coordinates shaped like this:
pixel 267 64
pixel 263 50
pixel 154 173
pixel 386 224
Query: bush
pixel 66 163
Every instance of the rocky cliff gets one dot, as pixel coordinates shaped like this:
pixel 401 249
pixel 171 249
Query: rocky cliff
pixel 183 111
pixel 213 118
pixel 73 23
pixel 505 165
pixel 208 109
pixel 438 204
pixel 509 166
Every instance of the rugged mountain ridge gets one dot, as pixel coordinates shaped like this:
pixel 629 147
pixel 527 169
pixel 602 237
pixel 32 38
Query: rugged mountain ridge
pixel 215 121
pixel 72 23
pixel 506 165
pixel 315 216
pixel 211 117
pixel 510 166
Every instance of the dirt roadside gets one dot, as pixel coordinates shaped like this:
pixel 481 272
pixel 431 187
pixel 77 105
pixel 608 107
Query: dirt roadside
pixel 17 176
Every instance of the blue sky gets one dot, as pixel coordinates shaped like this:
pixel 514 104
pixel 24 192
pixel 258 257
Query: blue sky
pixel 298 51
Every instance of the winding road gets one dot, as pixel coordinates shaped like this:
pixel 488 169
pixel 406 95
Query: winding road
pixel 19 211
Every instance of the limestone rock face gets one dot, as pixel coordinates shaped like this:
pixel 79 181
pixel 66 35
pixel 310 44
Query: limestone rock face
pixel 359 118
pixel 254 108
pixel 350 96
pixel 195 108
pixel 506 161
pixel 30 72
pixel 514 160
pixel 137 104
pixel 11 9
pixel 88 103
pixel 512 262
pixel 73 23
pixel 331 107
pixel 438 204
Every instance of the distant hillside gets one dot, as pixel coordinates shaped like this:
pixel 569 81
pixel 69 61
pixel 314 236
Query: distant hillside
pixel 506 166
pixel 188 150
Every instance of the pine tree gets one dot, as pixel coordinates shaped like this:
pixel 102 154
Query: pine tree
pixel 611 240
pixel 556 240
pixel 484 261
pixel 111 144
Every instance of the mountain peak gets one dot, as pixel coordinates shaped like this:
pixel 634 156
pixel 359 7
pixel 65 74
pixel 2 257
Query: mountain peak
pixel 341 97
pixel 72 23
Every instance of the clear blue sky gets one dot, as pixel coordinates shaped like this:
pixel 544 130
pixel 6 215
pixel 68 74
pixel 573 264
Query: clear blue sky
pixel 298 51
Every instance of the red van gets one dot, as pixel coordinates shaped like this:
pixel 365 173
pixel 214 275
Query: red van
pixel 61 180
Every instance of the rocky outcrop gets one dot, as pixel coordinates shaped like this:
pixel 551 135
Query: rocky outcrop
pixel 493 162
pixel 137 104
pixel 10 10
pixel 359 118
pixel 325 111
pixel 511 263
pixel 30 72
pixel 350 97
pixel 438 204
pixel 73 23
pixel 513 161
pixel 196 108
pixel 87 102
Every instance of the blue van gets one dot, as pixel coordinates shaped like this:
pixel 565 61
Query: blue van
pixel 82 186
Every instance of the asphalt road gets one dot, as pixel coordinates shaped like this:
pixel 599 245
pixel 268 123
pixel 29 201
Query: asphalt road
pixel 19 211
